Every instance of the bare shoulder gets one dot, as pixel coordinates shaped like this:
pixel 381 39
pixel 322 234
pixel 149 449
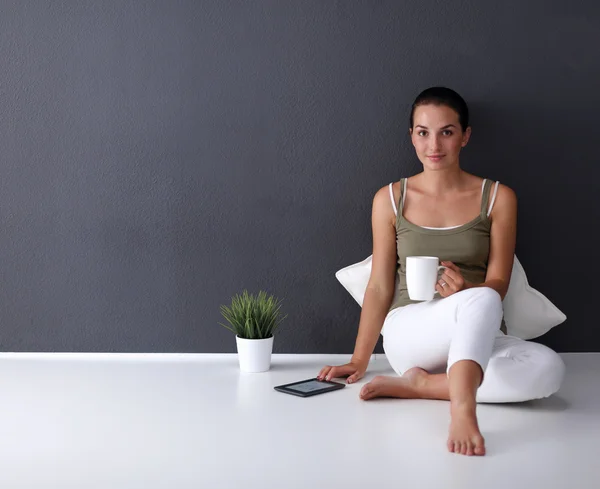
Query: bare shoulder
pixel 505 203
pixel 382 202
pixel 383 267
pixel 506 196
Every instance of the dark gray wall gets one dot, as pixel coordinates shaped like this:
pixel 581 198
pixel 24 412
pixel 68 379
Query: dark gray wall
pixel 159 157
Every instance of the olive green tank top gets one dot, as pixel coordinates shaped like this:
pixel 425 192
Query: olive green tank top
pixel 467 246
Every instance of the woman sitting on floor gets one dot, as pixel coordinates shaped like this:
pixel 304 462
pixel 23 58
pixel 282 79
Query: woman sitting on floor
pixel 470 223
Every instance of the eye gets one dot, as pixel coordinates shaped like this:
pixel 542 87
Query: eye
pixel 447 132
pixel 422 133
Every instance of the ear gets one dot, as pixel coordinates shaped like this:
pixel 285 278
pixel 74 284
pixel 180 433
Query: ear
pixel 410 131
pixel 466 137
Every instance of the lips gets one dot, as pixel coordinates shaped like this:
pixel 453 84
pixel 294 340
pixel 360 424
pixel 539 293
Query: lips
pixel 435 157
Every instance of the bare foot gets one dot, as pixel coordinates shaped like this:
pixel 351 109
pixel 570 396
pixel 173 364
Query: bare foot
pixel 406 387
pixel 465 437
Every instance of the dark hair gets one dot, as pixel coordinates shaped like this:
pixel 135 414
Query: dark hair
pixel 443 96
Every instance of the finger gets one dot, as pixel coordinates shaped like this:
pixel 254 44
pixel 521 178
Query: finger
pixel 354 377
pixel 440 289
pixel 324 372
pixel 453 271
pixel 337 372
pixel 332 373
pixel 340 371
pixel 454 279
pixel 451 266
pixel 447 283
pixel 451 276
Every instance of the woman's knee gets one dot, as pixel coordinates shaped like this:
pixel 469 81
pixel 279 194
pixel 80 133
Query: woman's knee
pixel 485 294
pixel 484 299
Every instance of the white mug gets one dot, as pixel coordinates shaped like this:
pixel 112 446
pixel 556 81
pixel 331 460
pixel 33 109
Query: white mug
pixel 421 276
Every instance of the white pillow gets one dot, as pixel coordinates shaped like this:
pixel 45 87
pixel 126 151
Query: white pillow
pixel 527 312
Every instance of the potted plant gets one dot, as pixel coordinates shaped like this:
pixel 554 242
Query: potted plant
pixel 254 321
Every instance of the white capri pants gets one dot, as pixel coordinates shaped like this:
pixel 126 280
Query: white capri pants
pixel 436 334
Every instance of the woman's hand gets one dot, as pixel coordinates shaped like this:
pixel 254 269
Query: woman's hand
pixel 451 280
pixel 353 370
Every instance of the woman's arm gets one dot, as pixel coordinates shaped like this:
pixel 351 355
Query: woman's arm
pixel 380 289
pixel 379 292
pixel 503 235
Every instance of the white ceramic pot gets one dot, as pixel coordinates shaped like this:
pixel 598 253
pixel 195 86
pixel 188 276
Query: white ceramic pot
pixel 254 355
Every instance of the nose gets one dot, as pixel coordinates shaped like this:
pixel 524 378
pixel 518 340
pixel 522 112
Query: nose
pixel 435 144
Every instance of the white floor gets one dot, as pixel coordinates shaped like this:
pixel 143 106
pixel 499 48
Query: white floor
pixel 191 421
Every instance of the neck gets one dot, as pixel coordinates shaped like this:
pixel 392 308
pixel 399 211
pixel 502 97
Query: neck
pixel 442 181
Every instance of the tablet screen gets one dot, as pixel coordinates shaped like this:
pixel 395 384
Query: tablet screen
pixel 313 385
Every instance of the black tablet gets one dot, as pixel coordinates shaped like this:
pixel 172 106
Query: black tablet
pixel 309 387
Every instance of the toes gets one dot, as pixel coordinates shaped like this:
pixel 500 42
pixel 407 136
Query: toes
pixel 479 450
pixel 480 446
pixel 366 392
pixel 474 445
pixel 470 448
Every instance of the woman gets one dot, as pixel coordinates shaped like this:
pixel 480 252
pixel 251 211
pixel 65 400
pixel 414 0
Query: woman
pixel 470 223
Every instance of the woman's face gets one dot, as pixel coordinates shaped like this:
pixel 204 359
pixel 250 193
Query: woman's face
pixel 437 136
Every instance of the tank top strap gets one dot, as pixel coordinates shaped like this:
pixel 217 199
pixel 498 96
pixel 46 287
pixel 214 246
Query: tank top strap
pixel 401 198
pixel 485 197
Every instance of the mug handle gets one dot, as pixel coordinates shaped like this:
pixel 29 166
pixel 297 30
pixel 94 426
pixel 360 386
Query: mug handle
pixel 441 266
